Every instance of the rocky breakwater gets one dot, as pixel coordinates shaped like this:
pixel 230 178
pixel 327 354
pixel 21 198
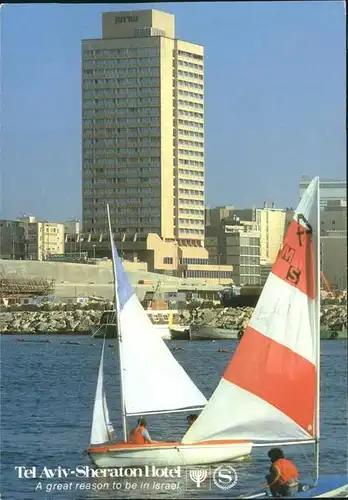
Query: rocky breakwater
pixel 82 318
pixel 219 317
pixel 52 318
pixel 333 317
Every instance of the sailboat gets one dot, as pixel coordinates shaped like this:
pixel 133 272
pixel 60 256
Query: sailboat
pixel 151 382
pixel 270 391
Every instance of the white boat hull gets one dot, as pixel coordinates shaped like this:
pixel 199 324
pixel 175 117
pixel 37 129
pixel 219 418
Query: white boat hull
pixel 213 333
pixel 163 331
pixel 168 454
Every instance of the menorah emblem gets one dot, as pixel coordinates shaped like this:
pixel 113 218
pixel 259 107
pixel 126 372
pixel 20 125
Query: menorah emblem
pixel 198 476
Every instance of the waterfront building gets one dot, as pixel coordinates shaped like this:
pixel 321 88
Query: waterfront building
pixel 12 240
pixel 334 216
pixel 236 244
pixel 330 189
pixel 143 128
pixel 214 216
pixel 72 226
pixel 265 269
pixel 44 239
pixel 269 220
pixel 72 238
pixel 143 143
pixel 334 258
pixel 162 257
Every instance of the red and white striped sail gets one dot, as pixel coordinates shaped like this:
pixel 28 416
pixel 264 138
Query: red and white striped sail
pixel 268 390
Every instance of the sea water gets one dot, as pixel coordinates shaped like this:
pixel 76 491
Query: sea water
pixel 47 396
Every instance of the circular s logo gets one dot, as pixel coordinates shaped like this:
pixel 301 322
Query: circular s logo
pixel 225 477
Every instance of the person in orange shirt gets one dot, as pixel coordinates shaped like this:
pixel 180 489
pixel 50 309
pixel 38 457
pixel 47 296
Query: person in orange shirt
pixel 140 434
pixel 283 477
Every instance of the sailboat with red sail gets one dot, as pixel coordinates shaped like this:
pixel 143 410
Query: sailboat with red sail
pixel 270 391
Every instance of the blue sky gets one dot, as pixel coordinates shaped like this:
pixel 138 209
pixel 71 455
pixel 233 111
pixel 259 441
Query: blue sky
pixel 274 96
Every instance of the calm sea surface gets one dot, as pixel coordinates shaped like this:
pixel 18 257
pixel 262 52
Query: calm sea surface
pixel 47 395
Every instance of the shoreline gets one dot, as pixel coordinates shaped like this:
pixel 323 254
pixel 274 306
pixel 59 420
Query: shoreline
pixel 57 333
pixel 30 336
pixel 85 320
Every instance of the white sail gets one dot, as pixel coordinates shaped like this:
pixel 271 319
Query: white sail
pixel 269 388
pixel 102 429
pixel 153 381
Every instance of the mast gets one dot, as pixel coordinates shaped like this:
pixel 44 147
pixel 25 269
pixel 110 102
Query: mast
pixel 318 268
pixel 119 337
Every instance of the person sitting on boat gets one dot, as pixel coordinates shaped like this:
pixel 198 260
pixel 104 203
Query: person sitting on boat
pixel 283 477
pixel 190 419
pixel 140 434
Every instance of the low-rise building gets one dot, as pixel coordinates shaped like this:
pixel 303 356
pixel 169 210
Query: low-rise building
pixel 333 217
pixel 238 245
pixel 161 256
pixel 12 240
pixel 72 236
pixel 265 270
pixel 45 239
pixel 334 258
pixel 73 226
pixel 270 222
pixel 213 216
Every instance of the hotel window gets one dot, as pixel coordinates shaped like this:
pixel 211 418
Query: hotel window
pixel 168 260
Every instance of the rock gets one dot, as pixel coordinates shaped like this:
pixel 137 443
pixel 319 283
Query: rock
pixel 26 327
pixel 15 325
pixel 238 318
pixel 95 316
pixel 42 327
pixel 81 317
pixel 85 325
pixel 52 326
pixel 61 325
pixel 71 325
pixel 48 306
pixel 69 307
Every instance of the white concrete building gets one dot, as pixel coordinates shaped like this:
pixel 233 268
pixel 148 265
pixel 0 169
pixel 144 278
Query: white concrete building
pixel 45 239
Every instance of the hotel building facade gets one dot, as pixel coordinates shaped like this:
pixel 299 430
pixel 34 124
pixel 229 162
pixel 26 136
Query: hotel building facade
pixel 143 128
pixel 143 140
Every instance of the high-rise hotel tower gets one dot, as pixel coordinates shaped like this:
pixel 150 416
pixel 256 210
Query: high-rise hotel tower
pixel 143 129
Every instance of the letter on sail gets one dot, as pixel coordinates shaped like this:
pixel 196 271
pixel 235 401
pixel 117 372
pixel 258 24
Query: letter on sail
pixel 268 390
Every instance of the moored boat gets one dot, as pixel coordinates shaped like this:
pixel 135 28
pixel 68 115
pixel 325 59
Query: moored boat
pixel 327 333
pixel 180 332
pixel 162 319
pixel 202 332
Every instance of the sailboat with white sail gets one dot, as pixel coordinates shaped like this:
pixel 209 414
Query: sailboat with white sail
pixel 270 391
pixel 151 382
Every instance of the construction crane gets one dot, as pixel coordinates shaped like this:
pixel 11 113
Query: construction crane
pixel 327 285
